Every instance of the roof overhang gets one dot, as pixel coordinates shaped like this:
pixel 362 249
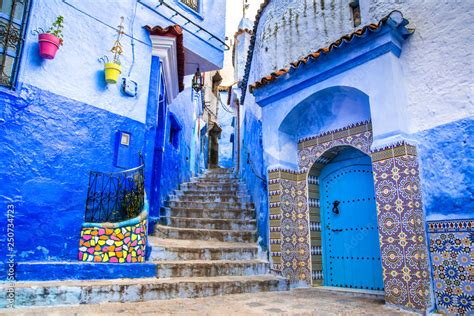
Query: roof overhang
pixel 348 52
pixel 167 44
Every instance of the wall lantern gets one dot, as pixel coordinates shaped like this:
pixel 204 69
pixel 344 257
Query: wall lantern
pixel 197 81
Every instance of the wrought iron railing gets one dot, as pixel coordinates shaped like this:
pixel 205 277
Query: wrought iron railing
pixel 115 197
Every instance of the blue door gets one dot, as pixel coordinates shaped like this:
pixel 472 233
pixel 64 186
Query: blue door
pixel 350 234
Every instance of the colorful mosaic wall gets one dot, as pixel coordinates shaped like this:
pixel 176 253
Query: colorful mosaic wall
pixel 295 224
pixel 315 227
pixel 114 245
pixel 452 260
pixel 274 191
pixel 289 209
pixel 295 228
pixel 401 227
pixel 312 148
pixel 314 153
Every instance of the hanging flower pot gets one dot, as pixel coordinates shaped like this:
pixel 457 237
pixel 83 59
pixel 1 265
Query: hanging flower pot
pixel 48 45
pixel 112 72
pixel 113 69
pixel 50 41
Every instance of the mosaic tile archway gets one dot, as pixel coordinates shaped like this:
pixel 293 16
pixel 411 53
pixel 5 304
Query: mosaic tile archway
pixel 399 212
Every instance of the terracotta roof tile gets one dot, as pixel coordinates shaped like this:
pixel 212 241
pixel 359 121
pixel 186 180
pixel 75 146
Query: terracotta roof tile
pixel 313 56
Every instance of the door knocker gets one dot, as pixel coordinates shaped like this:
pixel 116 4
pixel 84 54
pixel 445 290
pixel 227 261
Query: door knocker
pixel 335 207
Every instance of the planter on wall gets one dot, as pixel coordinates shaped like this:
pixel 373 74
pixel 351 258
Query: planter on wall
pixel 112 72
pixel 48 45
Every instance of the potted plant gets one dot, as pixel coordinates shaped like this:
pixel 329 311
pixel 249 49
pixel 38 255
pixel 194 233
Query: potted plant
pixel 113 68
pixel 50 41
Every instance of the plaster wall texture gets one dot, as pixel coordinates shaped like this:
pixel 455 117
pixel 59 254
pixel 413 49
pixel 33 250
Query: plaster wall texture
pixel 383 90
pixel 242 43
pixel 289 30
pixel 436 60
pixel 61 123
pixel 48 145
pixel 225 117
pixel 76 72
pixel 426 96
pixel 252 168
pixel 176 165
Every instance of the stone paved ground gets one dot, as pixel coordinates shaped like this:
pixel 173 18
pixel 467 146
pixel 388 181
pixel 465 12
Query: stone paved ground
pixel 296 302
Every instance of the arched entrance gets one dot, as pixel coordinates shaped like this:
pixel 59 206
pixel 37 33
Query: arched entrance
pixel 344 236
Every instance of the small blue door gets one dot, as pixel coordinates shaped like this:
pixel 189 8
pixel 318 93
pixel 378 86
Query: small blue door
pixel 350 234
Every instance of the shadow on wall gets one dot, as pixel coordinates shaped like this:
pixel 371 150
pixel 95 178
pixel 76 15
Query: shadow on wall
pixel 329 109
pixel 254 174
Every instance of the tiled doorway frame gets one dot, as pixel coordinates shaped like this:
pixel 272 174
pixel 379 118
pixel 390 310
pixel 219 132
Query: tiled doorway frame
pixel 402 233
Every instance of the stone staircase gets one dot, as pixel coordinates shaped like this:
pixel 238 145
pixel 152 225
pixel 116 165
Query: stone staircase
pixel 209 231
pixel 205 245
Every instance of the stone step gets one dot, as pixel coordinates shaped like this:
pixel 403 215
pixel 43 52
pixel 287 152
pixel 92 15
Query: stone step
pixel 217 176
pixel 181 249
pixel 209 205
pixel 216 180
pixel 205 234
pixel 210 192
pixel 219 171
pixel 182 196
pixel 240 214
pixel 210 268
pixel 212 187
pixel 136 290
pixel 208 223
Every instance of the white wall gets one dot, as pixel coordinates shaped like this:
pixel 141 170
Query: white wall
pixel 436 63
pixel 76 73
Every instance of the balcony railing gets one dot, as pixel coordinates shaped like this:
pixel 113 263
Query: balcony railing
pixel 116 196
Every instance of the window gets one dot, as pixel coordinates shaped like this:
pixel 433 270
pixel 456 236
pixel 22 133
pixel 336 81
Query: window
pixel 355 7
pixel 193 4
pixel 13 15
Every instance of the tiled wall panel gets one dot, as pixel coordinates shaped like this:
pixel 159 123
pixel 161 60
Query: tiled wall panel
pixel 452 252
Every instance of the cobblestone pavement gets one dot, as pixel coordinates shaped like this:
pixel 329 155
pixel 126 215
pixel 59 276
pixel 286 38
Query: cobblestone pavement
pixel 296 302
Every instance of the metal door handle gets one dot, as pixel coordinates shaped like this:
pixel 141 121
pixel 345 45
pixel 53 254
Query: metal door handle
pixel 335 206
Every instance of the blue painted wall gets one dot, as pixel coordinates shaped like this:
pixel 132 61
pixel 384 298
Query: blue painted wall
pixel 254 173
pixel 48 145
pixel 447 170
pixel 225 116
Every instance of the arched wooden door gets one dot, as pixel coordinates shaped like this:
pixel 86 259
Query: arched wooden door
pixel 351 249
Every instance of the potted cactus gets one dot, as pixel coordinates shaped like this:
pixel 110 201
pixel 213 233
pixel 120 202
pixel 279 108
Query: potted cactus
pixel 50 41
pixel 113 68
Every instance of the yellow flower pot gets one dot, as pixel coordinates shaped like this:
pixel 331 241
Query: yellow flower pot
pixel 112 72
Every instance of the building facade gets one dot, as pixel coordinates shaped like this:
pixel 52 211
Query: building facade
pixel 61 119
pixel 364 127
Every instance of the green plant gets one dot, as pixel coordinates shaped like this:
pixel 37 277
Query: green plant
pixel 57 28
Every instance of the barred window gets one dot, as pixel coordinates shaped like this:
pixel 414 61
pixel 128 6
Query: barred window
pixel 13 15
pixel 193 4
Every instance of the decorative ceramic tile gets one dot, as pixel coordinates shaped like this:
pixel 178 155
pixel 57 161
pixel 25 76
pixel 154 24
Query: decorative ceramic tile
pixel 399 212
pixel 451 251
pixel 316 148
pixel 275 220
pixel 401 229
pixel 296 250
pixel 114 245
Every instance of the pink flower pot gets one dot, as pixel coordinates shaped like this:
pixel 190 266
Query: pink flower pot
pixel 48 45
